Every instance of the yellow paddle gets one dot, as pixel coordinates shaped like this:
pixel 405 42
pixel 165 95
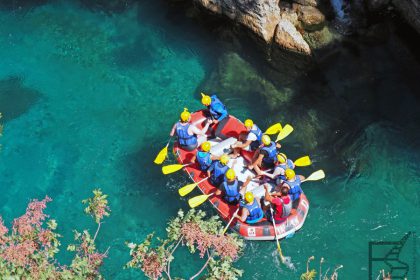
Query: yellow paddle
pixel 198 200
pixel 230 221
pixel 317 175
pixel 303 161
pixel 160 158
pixel 168 169
pixel 285 260
pixel 188 188
pixel 287 129
pixel 274 129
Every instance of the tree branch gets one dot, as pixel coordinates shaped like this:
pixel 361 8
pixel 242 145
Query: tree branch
pixel 97 231
pixel 204 266
pixel 168 266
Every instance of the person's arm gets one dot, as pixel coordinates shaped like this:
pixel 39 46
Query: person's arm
pixel 210 170
pixel 276 172
pixel 267 195
pixel 301 177
pixel 257 164
pixel 243 215
pixel 242 145
pixel 193 158
pixel 245 185
pixel 172 131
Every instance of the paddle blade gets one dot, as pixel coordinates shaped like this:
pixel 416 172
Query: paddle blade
pixel 303 161
pixel 274 129
pixel 197 200
pixel 168 169
pixel 187 189
pixel 317 175
pixel 160 158
pixel 287 129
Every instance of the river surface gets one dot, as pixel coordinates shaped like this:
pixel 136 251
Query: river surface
pixel 88 99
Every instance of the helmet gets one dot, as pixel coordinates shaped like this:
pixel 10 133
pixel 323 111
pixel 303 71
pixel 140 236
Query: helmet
pixel 281 158
pixel 206 146
pixel 185 115
pixel 224 159
pixel 266 139
pixel 249 197
pixel 290 174
pixel 205 99
pixel 249 123
pixel 230 174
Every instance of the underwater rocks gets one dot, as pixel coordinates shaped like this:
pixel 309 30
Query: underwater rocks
pixel 310 17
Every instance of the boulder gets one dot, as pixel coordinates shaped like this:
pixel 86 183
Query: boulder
pixel 410 10
pixel 260 16
pixel 290 39
pixel 312 3
pixel 311 17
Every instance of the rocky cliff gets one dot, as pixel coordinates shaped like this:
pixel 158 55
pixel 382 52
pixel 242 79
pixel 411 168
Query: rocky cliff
pixel 410 10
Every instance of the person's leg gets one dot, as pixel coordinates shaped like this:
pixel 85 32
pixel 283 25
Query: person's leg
pixel 220 127
pixel 295 203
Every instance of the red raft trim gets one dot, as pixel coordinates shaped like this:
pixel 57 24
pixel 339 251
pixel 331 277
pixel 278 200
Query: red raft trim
pixel 263 230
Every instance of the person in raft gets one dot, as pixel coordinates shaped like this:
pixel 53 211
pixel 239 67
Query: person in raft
pixel 266 156
pixel 251 210
pixel 187 133
pixel 281 165
pixel 216 112
pixel 232 188
pixel 217 170
pixel 282 205
pixel 203 157
pixel 293 182
pixel 249 140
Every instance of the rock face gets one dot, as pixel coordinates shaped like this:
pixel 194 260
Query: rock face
pixel 410 10
pixel 290 39
pixel 311 17
pixel 260 16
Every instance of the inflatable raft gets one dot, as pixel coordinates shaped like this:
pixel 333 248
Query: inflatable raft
pixel 262 230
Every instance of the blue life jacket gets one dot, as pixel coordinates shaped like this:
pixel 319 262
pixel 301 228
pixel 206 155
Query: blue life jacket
pixel 231 191
pixel 295 189
pixel 255 144
pixel 219 173
pixel 254 211
pixel 184 138
pixel 287 165
pixel 271 153
pixel 216 108
pixel 204 160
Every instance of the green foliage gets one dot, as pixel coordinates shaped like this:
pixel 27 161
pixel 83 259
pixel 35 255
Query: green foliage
pixel 97 205
pixel 193 230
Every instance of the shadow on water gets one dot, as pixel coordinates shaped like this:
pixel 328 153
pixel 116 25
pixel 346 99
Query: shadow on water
pixel 21 4
pixel 136 54
pixel 15 98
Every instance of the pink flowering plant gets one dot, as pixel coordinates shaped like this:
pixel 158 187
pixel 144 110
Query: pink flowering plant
pixel 28 248
pixel 200 236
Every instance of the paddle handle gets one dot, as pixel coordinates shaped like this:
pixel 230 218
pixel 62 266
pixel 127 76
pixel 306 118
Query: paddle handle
pixel 275 233
pixel 230 221
pixel 201 181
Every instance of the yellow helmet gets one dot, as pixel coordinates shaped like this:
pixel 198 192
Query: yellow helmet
pixel 206 146
pixel 205 99
pixel 185 116
pixel 224 159
pixel 290 174
pixel 249 197
pixel 266 139
pixel 281 158
pixel 230 174
pixel 249 123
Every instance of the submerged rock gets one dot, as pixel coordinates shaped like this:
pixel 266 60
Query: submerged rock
pixel 290 39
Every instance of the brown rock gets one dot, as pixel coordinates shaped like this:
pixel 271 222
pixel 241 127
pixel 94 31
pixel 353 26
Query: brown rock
pixel 311 17
pixel 312 3
pixel 290 39
pixel 260 16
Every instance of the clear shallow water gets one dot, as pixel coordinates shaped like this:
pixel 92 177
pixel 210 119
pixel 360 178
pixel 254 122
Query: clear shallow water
pixel 89 99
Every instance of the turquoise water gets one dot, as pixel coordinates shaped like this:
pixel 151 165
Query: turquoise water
pixel 88 100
